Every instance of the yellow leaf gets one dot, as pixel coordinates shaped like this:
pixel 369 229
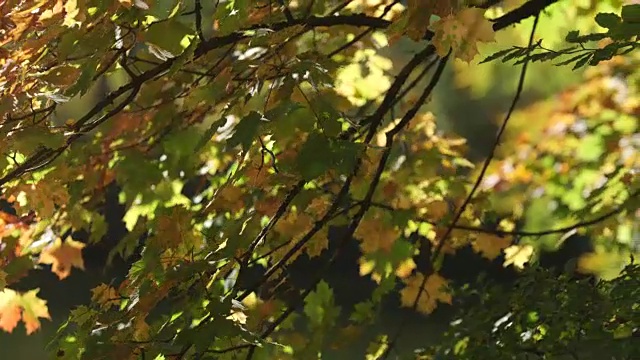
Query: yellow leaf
pixel 366 266
pixel 50 13
pixel 438 209
pixel 517 255
pixel 294 225
pixel 405 268
pixel 461 32
pixel 375 235
pixel 238 317
pixel 73 16
pixel 490 246
pixel 62 256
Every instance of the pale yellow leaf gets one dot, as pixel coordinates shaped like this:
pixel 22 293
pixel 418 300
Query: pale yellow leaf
pixel 517 255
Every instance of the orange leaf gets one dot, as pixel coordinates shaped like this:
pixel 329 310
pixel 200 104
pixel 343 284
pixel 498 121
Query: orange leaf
pixel 434 290
pixel 62 256
pixel 9 310
pixel 14 306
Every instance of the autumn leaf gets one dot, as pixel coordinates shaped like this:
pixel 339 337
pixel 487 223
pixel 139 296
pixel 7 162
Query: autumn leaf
pixel 10 312
pixel 238 317
pixel 517 255
pixel 461 32
pixel 229 198
pixel 294 225
pixel 434 291
pixel 33 308
pixel 375 235
pixel 490 246
pixel 436 210
pixel 28 307
pixel 318 242
pixel 140 329
pixel 105 296
pixel 405 268
pixel 175 230
pixel 267 206
pixel 62 256
pixel 419 14
pixel 319 206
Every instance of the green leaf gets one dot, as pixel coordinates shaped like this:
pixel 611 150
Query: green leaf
pixel 591 148
pixel 315 157
pixel 18 267
pixel 572 36
pixel 631 13
pixel 182 143
pixel 626 124
pixel 608 20
pixel 171 36
pixel 30 138
pixel 498 55
pixel 246 130
pixel 319 306
pixel 582 62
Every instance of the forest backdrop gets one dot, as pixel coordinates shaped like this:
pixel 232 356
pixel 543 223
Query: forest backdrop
pixel 297 179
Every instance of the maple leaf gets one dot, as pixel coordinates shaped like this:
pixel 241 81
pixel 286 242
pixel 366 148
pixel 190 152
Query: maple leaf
pixel 318 242
pixel 319 206
pixel 517 255
pixel 461 32
pixel 33 308
pixel 434 290
pixel 490 246
pixel 62 256
pixel 175 229
pixel 28 307
pixel 267 206
pixel 238 317
pixel 437 209
pixel 294 225
pixel 376 235
pixel 229 198
pixel 10 312
pixel 405 268
pixel 419 14
pixel 104 295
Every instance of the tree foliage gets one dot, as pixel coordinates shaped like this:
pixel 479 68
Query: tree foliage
pixel 303 116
